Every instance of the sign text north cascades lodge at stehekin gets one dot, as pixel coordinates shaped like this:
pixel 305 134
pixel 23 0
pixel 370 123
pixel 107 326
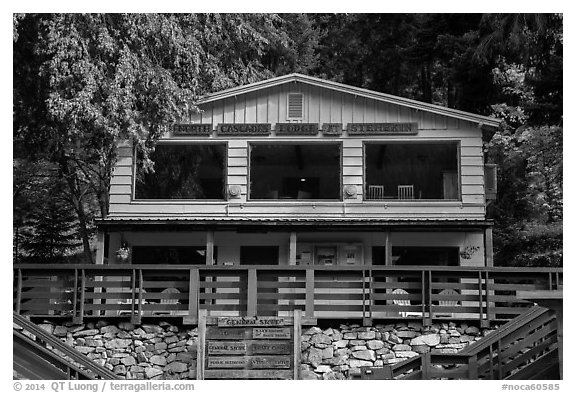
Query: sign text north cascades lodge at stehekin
pixel 281 129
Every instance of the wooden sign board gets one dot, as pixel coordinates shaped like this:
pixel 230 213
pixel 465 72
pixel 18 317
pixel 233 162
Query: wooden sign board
pixel 274 333
pixel 192 129
pixel 226 348
pixel 233 129
pixel 249 362
pixel 253 321
pixel 296 128
pixel 332 129
pixel 249 347
pixel 382 128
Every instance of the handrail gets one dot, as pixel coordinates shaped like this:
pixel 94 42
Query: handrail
pixel 91 367
pixel 422 364
pixel 54 360
pixel 79 291
pixel 418 268
pixel 504 331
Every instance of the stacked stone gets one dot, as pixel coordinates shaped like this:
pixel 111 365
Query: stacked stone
pixel 338 353
pixel 160 351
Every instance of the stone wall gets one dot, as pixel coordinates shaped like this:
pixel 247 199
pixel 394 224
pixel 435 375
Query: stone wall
pixel 165 351
pixel 338 353
pixel 148 351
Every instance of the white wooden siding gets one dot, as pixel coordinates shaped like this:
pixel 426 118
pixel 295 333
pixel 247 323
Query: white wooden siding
pixel 320 106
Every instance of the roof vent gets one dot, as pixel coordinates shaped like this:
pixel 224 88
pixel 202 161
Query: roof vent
pixel 295 106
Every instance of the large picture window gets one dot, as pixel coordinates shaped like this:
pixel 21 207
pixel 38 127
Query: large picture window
pixel 295 171
pixel 184 172
pixel 412 171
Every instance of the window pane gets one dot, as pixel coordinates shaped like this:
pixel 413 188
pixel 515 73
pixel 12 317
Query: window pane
pixel 412 171
pixel 184 172
pixel 292 171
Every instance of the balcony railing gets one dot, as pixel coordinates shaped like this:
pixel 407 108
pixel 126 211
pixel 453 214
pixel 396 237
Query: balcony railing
pixel 423 293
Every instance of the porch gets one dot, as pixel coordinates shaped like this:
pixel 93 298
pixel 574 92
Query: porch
pixel 364 293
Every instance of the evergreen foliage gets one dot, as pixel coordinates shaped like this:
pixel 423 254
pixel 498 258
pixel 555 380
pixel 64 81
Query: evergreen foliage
pixel 82 82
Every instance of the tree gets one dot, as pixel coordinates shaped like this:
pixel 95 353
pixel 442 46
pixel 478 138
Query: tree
pixel 83 82
pixel 43 221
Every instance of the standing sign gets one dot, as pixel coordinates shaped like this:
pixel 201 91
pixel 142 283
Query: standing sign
pixel 249 347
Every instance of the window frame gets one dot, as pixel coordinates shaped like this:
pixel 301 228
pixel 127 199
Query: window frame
pixel 278 142
pixel 457 143
pixel 187 200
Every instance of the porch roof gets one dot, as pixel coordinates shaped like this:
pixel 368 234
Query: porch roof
pixel 165 223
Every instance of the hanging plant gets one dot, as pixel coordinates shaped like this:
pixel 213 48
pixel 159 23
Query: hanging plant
pixel 123 253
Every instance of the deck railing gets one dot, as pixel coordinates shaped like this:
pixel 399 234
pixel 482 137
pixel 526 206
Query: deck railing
pixel 366 292
pixel 524 348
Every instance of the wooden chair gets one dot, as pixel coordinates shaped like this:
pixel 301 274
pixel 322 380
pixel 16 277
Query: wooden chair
pixel 169 300
pixel 129 301
pixel 447 302
pixel 406 191
pixel 405 303
pixel 375 192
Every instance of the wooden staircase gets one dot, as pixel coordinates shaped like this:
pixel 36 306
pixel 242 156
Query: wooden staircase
pixel 524 348
pixel 34 356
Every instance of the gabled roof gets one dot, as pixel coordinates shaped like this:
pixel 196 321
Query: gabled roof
pixel 357 91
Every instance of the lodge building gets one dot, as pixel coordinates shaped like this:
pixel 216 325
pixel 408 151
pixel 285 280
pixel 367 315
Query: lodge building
pixel 304 200
pixel 300 171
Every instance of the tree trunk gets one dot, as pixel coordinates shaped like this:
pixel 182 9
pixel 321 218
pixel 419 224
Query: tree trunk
pixel 426 83
pixel 77 201
pixel 84 232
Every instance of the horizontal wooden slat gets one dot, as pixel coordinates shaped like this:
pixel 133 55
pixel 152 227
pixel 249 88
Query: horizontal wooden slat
pixel 45 308
pixel 223 307
pixel 220 284
pixel 277 284
pixel 219 295
pixel 338 284
pixel 338 296
pixel 337 307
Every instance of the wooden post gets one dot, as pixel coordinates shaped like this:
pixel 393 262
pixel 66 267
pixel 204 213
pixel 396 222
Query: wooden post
pixel 100 236
pixel 82 294
pixel 75 317
pixel 388 247
pixel 19 292
pixel 427 300
pixel 193 294
pixel 473 367
pixel 297 346
pixel 200 360
pixel 292 254
pixel 100 247
pixel 309 304
pixel 426 365
pixel 210 248
pixel 252 294
pixel 137 317
pixel 485 322
pixel 366 299
pixel 488 247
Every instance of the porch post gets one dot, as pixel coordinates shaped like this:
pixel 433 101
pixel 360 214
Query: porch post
pixel 488 247
pixel 100 235
pixel 210 248
pixel 100 251
pixel 388 262
pixel 388 244
pixel 252 296
pixel 292 254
